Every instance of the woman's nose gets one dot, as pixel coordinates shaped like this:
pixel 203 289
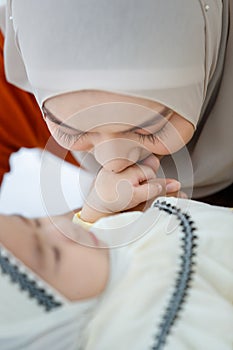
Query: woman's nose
pixel 117 154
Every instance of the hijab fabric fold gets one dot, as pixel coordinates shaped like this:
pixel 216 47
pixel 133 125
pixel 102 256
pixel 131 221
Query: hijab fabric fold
pixel 115 47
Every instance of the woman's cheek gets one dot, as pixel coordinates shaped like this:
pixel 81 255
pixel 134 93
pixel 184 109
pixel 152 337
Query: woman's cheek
pixel 172 140
pixel 168 146
pixel 179 132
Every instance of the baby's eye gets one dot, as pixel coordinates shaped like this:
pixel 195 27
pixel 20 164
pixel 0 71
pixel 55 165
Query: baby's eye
pixel 57 254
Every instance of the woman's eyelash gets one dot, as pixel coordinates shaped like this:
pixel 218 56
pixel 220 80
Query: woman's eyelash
pixel 151 137
pixel 66 137
pixel 71 139
pixel 143 137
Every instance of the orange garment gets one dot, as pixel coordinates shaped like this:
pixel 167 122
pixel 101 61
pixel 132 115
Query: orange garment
pixel 21 123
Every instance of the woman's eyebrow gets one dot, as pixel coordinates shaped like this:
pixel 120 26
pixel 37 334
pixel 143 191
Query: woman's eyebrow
pixel 55 120
pixel 155 119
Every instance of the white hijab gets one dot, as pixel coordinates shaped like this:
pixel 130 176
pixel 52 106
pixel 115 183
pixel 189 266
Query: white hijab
pixel 61 47
pixel 177 59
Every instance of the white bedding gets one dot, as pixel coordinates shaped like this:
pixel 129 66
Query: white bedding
pixel 23 193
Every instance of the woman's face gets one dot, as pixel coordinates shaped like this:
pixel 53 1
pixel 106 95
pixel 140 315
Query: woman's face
pixel 116 140
pixel 76 271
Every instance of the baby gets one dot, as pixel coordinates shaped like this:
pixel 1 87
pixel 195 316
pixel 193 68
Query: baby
pixel 136 279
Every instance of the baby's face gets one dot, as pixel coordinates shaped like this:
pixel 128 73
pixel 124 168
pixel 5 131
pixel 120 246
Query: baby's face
pixel 76 271
pixel 118 130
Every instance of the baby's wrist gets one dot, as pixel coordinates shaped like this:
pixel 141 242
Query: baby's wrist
pixel 91 214
pixel 79 221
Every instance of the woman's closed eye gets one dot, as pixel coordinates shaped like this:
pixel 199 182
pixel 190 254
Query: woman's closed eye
pixel 67 138
pixel 151 137
pixel 154 137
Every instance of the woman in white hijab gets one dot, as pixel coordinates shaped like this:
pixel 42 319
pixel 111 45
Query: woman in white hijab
pixel 166 283
pixel 100 72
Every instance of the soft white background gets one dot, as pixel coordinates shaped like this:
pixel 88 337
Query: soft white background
pixel 29 191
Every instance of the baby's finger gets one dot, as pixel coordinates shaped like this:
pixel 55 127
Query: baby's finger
pixel 146 192
pixel 140 173
pixel 182 194
pixel 172 185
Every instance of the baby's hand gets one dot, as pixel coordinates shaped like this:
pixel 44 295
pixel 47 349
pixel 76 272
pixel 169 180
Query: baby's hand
pixel 116 192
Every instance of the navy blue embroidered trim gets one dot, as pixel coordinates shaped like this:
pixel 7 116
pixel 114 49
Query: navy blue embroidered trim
pixel 44 299
pixel 184 278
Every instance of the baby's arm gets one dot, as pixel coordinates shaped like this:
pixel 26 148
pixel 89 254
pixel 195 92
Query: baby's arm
pixel 113 193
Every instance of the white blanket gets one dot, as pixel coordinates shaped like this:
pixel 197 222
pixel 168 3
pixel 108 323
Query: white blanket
pixel 160 296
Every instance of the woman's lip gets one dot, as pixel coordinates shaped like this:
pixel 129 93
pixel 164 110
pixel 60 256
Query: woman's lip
pixel 94 238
